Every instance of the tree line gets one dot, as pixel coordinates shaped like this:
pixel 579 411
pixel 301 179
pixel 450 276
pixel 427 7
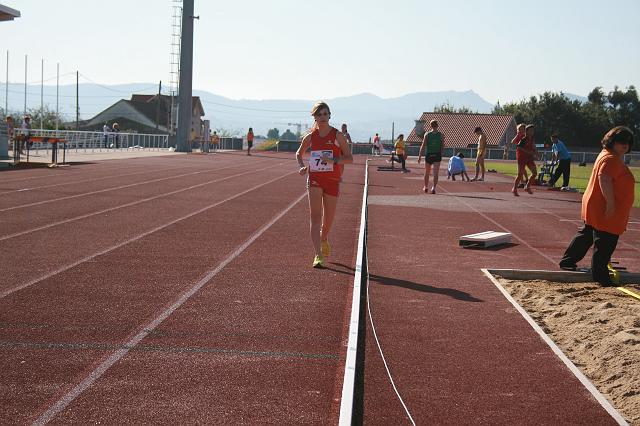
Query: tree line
pixel 579 123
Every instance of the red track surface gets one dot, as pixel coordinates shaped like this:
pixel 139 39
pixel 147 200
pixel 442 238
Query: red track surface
pixel 457 350
pixel 179 289
pixel 261 340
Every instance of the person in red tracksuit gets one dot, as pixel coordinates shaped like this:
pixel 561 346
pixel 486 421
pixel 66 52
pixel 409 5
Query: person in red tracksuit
pixel 328 150
pixel 525 155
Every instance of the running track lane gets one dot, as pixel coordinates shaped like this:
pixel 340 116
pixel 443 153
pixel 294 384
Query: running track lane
pixel 21 178
pixel 457 350
pixel 64 246
pixel 94 327
pixel 99 204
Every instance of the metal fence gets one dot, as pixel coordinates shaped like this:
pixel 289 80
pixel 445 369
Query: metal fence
pixel 99 141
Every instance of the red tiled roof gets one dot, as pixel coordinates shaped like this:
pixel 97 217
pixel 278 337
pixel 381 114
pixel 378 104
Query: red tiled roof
pixel 458 128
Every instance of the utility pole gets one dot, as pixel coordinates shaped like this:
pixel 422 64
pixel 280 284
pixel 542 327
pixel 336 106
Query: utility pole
pixel 77 100
pixel 57 96
pixel 393 129
pixel 25 85
pixel 185 103
pixel 42 95
pixel 6 88
pixel 158 105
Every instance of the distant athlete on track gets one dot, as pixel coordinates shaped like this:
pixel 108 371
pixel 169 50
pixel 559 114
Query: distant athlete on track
pixel 482 146
pixel 432 147
pixel 329 149
pixel 249 140
pixel 525 155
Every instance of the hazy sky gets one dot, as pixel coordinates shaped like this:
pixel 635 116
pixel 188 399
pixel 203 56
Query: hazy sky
pixel 304 49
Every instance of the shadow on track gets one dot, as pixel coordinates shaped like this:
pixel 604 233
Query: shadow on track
pixel 410 285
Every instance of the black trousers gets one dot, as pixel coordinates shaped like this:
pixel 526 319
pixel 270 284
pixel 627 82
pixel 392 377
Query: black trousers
pixel 400 159
pixel 564 169
pixel 604 244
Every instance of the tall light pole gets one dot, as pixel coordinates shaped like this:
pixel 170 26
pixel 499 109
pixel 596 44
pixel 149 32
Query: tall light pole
pixel 185 104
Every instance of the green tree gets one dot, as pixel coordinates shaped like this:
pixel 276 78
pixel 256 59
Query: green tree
pixel 448 108
pixel 273 133
pixel 288 135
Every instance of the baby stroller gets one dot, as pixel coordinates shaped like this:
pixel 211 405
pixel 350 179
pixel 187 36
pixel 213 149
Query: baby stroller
pixel 547 169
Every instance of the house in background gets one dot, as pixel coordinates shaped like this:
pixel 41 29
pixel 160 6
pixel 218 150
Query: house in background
pixel 458 129
pixel 8 14
pixel 146 114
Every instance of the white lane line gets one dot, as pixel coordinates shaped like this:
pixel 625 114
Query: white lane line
pixel 12 290
pixel 504 228
pixel 84 194
pixel 133 203
pixel 349 379
pixel 144 331
pixel 557 216
pixel 35 188
pixel 570 365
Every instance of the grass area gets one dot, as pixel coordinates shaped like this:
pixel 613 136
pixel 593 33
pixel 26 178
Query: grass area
pixel 579 175
pixel 268 145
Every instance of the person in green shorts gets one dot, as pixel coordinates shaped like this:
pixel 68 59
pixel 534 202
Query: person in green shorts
pixel 432 147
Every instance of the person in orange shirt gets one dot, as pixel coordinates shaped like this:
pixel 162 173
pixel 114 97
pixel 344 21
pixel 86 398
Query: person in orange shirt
pixel 249 140
pixel 606 205
pixel 329 149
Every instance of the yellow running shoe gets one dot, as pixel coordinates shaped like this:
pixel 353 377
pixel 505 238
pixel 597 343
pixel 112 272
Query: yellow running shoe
pixel 318 261
pixel 325 248
pixel 614 274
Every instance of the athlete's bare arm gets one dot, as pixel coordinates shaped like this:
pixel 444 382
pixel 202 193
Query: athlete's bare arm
pixel 304 146
pixel 422 147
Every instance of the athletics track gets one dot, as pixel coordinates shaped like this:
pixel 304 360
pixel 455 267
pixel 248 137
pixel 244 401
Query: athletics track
pixel 179 290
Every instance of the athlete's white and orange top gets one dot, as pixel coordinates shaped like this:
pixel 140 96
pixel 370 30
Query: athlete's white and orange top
pixel 324 146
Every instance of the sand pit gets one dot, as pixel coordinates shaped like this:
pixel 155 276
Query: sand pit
pixel 597 328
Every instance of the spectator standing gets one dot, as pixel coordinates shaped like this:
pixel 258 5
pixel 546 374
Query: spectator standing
pixel 105 134
pixel 482 146
pixel 376 145
pixel 249 140
pixel 10 132
pixel 26 133
pixel 606 205
pixel 115 128
pixel 562 157
pixel 215 140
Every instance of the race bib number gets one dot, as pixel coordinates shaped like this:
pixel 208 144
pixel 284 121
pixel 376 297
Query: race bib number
pixel 317 165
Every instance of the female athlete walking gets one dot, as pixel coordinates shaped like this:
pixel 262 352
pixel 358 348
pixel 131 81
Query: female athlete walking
pixel 432 147
pixel 328 149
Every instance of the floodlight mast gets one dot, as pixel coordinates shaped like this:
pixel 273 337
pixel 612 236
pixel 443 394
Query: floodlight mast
pixel 185 96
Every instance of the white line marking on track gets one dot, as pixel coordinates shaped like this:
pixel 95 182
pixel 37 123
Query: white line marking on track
pixel 502 227
pixel 51 225
pixel 622 243
pixel 116 356
pixel 136 238
pixel 572 367
pixel 84 194
pixel 34 188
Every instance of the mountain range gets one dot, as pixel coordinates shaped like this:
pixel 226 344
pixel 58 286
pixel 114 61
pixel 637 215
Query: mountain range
pixel 365 114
